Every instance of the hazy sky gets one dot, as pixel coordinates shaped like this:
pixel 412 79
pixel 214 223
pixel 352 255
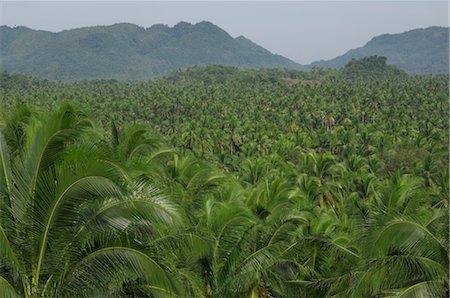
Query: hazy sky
pixel 301 31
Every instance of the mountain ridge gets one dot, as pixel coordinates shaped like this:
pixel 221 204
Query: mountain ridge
pixel 417 51
pixel 127 51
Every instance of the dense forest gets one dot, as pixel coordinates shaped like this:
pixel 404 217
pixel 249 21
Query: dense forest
pixel 127 51
pixel 130 52
pixel 219 182
pixel 418 51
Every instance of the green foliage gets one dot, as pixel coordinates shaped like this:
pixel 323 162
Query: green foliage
pixel 127 51
pixel 373 67
pixel 419 51
pixel 219 182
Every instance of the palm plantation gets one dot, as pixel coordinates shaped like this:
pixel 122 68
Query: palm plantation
pixel 188 189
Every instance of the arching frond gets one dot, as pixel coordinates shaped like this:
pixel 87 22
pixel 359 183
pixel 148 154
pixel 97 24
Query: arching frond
pixel 107 269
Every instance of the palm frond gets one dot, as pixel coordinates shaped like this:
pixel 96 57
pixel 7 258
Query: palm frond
pixel 427 288
pixel 5 166
pixel 9 257
pixel 107 269
pixel 7 290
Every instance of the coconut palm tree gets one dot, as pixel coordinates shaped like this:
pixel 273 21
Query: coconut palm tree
pixel 70 222
pixel 405 257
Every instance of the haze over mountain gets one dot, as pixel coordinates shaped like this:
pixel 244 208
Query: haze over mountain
pixel 419 51
pixel 127 51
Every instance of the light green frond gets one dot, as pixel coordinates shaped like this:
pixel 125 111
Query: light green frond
pixel 6 290
pixel 107 269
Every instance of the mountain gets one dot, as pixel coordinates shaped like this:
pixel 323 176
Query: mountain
pixel 127 51
pixel 419 51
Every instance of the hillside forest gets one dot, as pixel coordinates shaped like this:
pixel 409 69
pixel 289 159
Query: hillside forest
pixel 220 182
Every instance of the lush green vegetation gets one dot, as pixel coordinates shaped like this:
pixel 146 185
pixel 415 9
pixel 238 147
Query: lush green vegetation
pixel 216 182
pixel 373 67
pixel 419 51
pixel 127 51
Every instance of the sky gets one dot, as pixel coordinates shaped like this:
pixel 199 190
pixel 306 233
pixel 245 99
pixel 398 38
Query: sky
pixel 300 30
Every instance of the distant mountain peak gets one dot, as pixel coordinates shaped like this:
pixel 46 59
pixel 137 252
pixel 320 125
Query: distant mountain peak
pixel 123 24
pixel 206 23
pixel 182 25
pixel 241 37
pixel 128 52
pixel 417 51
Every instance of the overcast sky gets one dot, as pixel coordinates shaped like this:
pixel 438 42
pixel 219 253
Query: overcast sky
pixel 301 31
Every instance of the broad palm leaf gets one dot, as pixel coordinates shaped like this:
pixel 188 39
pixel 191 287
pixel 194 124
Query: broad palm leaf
pixel 63 215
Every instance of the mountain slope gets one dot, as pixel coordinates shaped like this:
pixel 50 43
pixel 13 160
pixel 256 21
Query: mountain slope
pixel 419 51
pixel 127 51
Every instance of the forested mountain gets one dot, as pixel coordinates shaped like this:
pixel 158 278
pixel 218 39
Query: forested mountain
pixel 419 51
pixel 127 51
